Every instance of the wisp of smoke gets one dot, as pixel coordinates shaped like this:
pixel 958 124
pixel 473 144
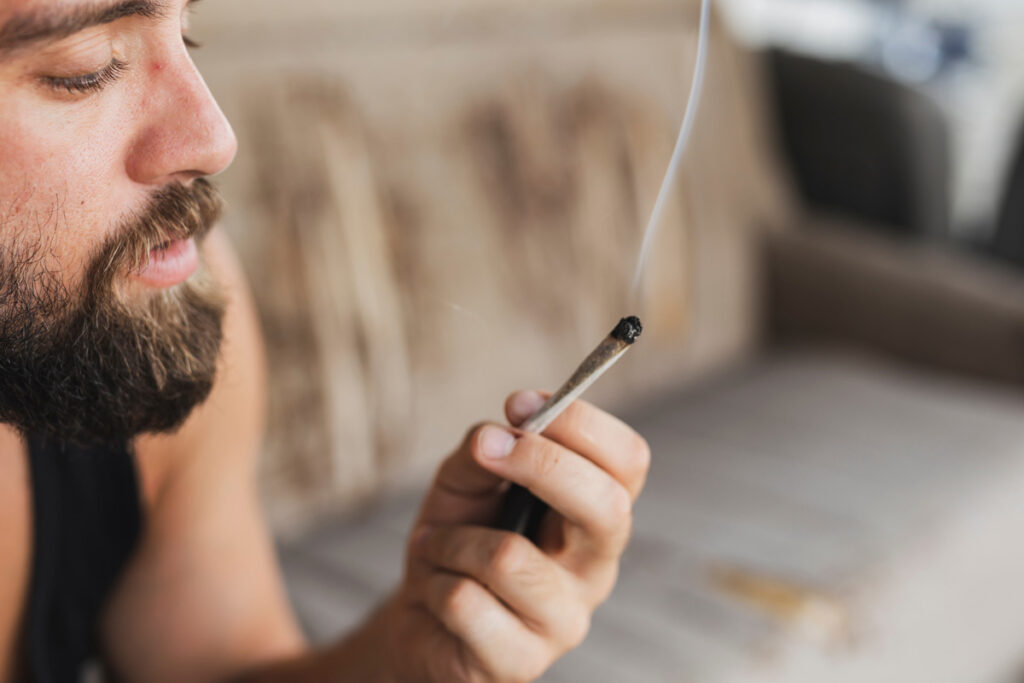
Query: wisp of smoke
pixel 667 185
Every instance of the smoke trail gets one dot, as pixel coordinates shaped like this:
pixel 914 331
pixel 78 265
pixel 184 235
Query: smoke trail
pixel 692 105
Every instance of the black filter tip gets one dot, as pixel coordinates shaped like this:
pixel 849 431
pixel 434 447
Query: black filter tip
pixel 628 329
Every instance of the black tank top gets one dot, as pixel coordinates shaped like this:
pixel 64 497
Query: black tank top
pixel 87 519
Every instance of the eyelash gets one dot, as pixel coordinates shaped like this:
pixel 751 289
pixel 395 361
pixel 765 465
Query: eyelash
pixel 98 80
pixel 89 82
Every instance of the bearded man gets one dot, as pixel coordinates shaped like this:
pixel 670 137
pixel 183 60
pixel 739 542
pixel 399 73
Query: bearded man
pixel 131 410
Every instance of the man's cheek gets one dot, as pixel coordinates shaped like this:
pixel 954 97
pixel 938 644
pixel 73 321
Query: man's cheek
pixel 41 154
pixel 43 224
pixel 29 189
pixel 16 176
pixel 63 187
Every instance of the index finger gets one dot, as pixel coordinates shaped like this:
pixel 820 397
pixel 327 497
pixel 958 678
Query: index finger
pixel 600 437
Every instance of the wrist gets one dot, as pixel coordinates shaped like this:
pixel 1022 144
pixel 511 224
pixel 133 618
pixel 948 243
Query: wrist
pixel 366 653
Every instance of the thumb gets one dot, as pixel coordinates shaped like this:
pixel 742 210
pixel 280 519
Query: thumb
pixel 463 491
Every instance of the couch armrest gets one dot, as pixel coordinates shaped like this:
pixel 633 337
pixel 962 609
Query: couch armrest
pixel 833 282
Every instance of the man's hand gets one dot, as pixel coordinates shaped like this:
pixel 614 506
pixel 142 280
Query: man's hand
pixel 478 604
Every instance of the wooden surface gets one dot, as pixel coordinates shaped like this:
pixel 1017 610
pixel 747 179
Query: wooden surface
pixel 812 517
pixel 438 204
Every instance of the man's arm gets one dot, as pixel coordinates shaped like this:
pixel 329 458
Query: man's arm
pixel 203 598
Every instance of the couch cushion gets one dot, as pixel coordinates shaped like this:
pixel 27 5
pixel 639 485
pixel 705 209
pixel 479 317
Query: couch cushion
pixel 813 516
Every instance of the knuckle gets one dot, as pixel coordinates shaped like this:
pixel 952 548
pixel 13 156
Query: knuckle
pixel 613 522
pixel 639 462
pixel 445 545
pixel 641 456
pixel 531 665
pixel 618 508
pixel 458 597
pixel 524 671
pixel 603 584
pixel 509 555
pixel 579 628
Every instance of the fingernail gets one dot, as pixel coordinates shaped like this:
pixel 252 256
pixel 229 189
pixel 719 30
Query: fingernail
pixel 524 405
pixel 496 443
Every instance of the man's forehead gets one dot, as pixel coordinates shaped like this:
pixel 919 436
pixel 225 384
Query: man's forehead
pixel 9 8
pixel 27 22
pixel 31 6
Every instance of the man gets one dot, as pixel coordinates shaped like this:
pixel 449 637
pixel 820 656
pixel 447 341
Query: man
pixel 131 403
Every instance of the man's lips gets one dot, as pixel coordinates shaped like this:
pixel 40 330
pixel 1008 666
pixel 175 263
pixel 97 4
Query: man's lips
pixel 170 265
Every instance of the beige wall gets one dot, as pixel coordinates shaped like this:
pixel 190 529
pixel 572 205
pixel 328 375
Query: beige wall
pixel 440 203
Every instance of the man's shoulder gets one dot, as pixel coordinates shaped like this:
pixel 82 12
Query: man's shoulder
pixel 227 429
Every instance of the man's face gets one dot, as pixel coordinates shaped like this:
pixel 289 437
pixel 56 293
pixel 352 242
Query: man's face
pixel 109 325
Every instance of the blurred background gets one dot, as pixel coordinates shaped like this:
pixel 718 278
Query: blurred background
pixel 439 203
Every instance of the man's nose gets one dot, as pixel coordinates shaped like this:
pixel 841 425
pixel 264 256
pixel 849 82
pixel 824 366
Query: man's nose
pixel 184 134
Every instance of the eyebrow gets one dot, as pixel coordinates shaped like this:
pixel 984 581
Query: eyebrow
pixel 48 25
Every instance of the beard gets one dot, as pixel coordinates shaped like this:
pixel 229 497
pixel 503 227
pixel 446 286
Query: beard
pixel 91 366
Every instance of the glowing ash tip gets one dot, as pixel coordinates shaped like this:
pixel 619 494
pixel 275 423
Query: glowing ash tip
pixel 628 329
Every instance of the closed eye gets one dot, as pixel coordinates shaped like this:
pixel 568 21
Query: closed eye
pixel 91 82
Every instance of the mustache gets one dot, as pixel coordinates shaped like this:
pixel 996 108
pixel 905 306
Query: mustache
pixel 175 212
